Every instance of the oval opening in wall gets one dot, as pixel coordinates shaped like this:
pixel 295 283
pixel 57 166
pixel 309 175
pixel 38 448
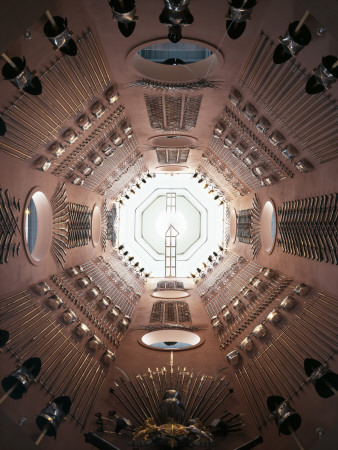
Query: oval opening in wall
pixel 37 225
pixel 268 226
pixel 171 340
pixel 184 61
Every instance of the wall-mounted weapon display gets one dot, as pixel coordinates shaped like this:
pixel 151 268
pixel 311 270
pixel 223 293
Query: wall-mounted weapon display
pixel 10 231
pixel 307 227
pixel 280 90
pixel 60 225
pixel 55 359
pixel 243 226
pixel 78 225
pixel 279 366
pixel 173 401
pixel 255 231
pixel 170 311
pixel 69 86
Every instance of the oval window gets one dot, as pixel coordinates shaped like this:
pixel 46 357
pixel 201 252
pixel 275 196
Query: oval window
pixel 171 340
pixel 38 221
pixel 174 54
pixel 268 226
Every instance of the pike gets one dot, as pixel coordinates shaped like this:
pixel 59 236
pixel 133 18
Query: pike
pixel 67 83
pixel 318 352
pixel 27 321
pixel 47 343
pixel 284 381
pixel 28 123
pixel 292 361
pixel 319 331
pixel 26 328
pixel 71 80
pixel 95 396
pixel 31 340
pixel 83 397
pixel 81 383
pixel 71 376
pixel 15 301
pixel 217 404
pixel 84 63
pixel 58 90
pixel 254 386
pixel 248 403
pixel 140 381
pixel 200 387
pixel 99 53
pixel 264 57
pixel 285 366
pixel 54 362
pixel 62 370
pixel 131 411
pixel 78 78
pixel 206 399
pixel 135 399
pixel 255 58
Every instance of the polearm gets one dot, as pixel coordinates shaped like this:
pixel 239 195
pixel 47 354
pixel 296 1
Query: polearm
pixel 217 404
pixel 113 391
pixel 145 416
pixel 206 399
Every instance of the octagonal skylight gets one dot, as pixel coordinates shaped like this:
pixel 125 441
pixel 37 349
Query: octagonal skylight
pixel 177 205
